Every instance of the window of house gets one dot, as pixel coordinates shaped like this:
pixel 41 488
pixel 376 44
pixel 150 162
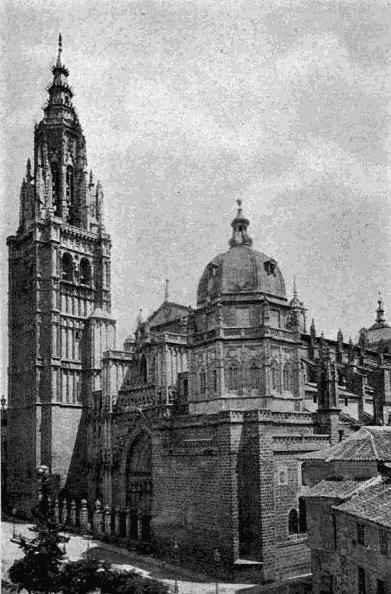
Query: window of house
pixel 282 475
pixel 361 533
pixel 293 522
pixel 362 589
pixel 346 401
pixel 185 387
pixel 340 435
pixel 315 398
pixel 383 542
pixel 380 587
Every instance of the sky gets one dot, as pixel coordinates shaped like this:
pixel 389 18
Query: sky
pixel 189 105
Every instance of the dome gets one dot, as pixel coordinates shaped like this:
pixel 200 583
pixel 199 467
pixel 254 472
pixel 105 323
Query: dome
pixel 241 269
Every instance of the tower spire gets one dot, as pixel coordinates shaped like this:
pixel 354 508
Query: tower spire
pixel 58 63
pixel 239 229
pixel 166 292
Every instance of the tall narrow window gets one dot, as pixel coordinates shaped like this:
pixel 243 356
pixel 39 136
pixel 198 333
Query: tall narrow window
pixel 276 382
pixel 302 515
pixel 56 200
pixel 69 184
pixel 67 267
pixel 361 534
pixel 202 381
pixel 69 190
pixel 232 376
pixel 288 377
pixel 293 522
pixel 143 369
pixel 254 376
pixel 85 272
pixel 215 380
pixel 362 586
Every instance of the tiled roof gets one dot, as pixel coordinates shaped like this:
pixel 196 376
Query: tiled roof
pixel 332 489
pixel 367 444
pixel 373 504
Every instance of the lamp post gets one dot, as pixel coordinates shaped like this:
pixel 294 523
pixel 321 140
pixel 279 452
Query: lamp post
pixel 44 480
pixel 176 548
pixel 217 559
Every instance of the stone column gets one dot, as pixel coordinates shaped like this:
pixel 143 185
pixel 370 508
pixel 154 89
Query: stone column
pixel 107 519
pixel 127 522
pixel 139 525
pixel 97 518
pixel 83 517
pixel 73 512
pixel 56 511
pixel 116 521
pixel 64 511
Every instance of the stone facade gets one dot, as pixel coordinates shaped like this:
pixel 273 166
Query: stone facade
pixel 194 430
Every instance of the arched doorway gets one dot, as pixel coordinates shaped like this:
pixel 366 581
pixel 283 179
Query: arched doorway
pixel 138 486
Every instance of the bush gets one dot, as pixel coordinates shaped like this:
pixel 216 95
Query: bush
pixel 80 576
pixel 116 582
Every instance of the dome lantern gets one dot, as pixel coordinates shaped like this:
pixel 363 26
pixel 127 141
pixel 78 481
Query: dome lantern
pixel 239 229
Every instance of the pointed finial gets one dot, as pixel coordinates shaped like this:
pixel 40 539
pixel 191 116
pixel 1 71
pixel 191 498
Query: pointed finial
pixel 166 290
pixel 91 182
pixel 28 170
pixel 339 335
pixel 140 317
pixel 239 229
pixel 59 49
pixel 294 287
pixel 380 319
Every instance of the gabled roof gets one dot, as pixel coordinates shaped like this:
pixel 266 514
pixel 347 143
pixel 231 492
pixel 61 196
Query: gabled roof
pixel 332 489
pixel 367 444
pixel 373 504
pixel 167 312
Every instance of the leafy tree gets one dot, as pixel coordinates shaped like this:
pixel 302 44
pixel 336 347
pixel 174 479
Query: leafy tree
pixel 39 569
pixel 81 576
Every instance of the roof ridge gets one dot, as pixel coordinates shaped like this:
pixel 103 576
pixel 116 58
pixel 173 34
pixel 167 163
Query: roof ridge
pixel 373 444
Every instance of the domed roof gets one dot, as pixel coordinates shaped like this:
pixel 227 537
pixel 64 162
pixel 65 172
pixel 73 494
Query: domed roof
pixel 241 269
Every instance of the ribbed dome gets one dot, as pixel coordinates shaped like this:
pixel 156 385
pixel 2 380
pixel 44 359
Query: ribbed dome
pixel 241 269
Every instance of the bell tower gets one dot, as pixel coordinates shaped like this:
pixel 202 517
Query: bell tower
pixel 59 275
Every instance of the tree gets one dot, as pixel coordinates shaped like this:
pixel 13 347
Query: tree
pixel 81 576
pixel 116 582
pixel 39 569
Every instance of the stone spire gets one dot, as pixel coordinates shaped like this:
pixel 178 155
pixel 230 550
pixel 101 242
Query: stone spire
pixel 166 291
pixel 239 229
pixel 60 93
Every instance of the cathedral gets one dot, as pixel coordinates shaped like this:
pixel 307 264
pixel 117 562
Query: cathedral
pixel 195 427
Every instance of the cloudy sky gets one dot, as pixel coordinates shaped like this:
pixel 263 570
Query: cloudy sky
pixel 189 105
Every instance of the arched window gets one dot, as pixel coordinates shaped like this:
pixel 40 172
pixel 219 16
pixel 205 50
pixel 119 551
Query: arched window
pixel 254 376
pixel 143 369
pixel 232 376
pixel 67 267
pixel 85 272
pixel 56 200
pixel 276 381
pixel 288 377
pixel 202 381
pixel 293 522
pixel 153 370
